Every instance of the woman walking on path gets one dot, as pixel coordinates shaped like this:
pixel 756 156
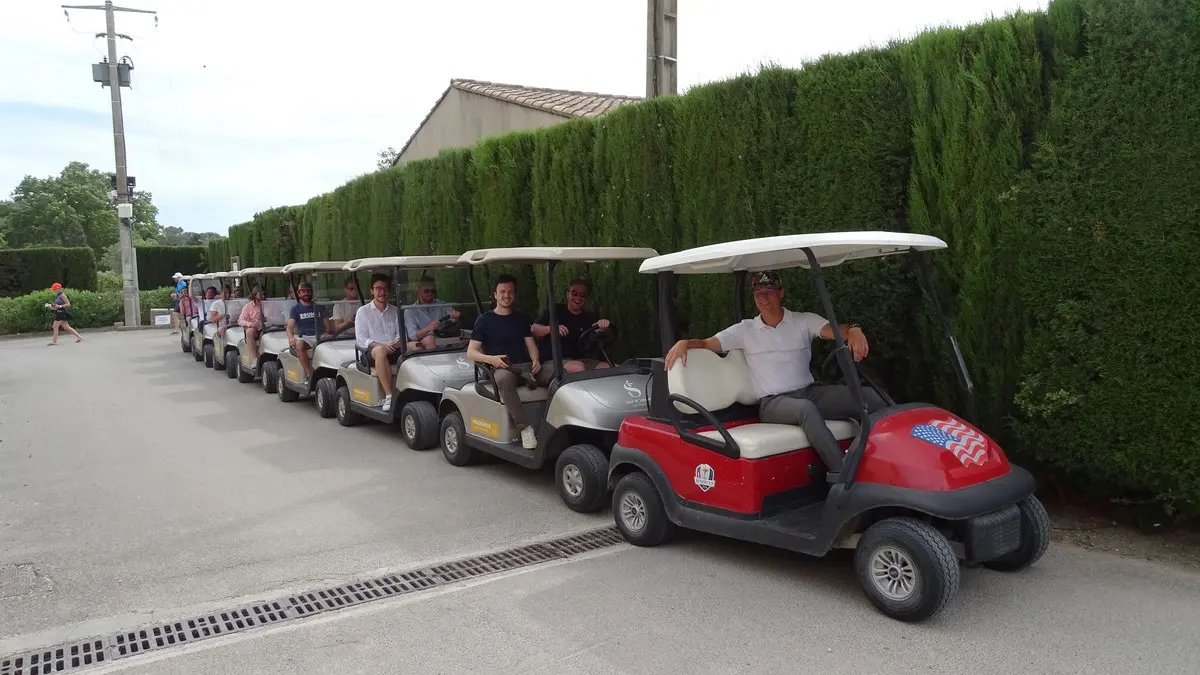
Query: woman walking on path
pixel 62 314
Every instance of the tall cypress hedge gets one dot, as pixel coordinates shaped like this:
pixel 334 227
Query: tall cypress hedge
pixel 1055 152
pixel 156 264
pixel 25 270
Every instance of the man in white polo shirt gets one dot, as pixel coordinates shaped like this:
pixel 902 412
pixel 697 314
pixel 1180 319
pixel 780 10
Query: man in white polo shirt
pixel 778 348
pixel 377 334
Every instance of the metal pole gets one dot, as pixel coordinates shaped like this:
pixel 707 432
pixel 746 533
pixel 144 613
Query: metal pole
pixel 662 47
pixel 133 313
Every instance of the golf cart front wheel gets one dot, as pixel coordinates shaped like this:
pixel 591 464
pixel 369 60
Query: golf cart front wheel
pixel 454 441
pixel 638 512
pixel 345 414
pixel 326 397
pixel 244 376
pixel 906 568
pixel 208 356
pixel 185 343
pixel 232 364
pixel 582 474
pixel 270 376
pixel 1035 538
pixel 286 395
pixel 196 350
pixel 419 424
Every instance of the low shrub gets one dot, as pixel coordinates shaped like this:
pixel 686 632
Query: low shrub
pixel 89 309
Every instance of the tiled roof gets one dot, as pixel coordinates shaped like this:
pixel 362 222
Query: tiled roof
pixel 556 101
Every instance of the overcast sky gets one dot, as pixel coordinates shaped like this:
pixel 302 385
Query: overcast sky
pixel 241 106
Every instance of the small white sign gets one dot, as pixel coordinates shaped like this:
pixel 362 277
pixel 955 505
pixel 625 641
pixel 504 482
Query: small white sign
pixel 705 477
pixel 162 320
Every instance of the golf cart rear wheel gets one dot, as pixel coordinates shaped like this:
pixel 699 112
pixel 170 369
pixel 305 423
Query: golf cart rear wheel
pixel 270 376
pixel 345 414
pixel 639 513
pixel 1035 538
pixel 454 441
pixel 326 397
pixel 196 350
pixel 906 568
pixel 419 424
pixel 231 363
pixel 582 471
pixel 208 356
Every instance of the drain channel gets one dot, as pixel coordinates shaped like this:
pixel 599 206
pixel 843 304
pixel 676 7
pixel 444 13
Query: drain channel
pixel 80 654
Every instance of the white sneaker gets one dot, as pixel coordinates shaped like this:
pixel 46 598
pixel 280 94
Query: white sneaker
pixel 528 438
pixel 387 404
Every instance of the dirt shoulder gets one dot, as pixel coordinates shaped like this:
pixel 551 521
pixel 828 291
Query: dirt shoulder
pixel 1095 531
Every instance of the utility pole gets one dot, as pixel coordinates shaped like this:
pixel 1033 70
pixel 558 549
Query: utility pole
pixel 662 48
pixel 133 311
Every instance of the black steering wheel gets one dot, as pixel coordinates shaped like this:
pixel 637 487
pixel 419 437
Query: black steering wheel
pixel 868 376
pixel 448 327
pixel 596 338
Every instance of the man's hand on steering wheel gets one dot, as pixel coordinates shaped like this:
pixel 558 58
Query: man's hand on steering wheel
pixel 602 324
pixel 857 341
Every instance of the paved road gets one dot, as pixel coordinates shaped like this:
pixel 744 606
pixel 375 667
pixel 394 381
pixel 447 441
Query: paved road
pixel 136 486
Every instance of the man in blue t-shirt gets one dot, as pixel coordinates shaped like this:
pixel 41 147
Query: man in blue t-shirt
pixel 502 339
pixel 302 326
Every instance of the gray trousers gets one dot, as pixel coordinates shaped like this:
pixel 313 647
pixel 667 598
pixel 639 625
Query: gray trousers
pixel 810 407
pixel 507 381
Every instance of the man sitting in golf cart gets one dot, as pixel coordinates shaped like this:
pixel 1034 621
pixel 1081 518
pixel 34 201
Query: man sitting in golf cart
pixel 777 344
pixel 421 319
pixel 503 340
pixel 251 318
pixel 216 310
pixel 572 322
pixel 345 309
pixel 377 334
pixel 302 326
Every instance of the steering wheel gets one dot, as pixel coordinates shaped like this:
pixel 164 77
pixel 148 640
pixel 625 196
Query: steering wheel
pixel 868 376
pixel 448 327
pixel 595 338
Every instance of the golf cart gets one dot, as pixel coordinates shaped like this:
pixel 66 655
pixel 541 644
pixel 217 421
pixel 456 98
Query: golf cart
pixel 185 325
pixel 425 367
pixel 576 417
pixel 203 330
pixel 272 335
pixel 224 345
pixel 920 488
pixel 330 349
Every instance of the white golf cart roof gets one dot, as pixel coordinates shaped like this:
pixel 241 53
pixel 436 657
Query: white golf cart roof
pixel 403 261
pixel 531 254
pixel 225 275
pixel 313 266
pixel 206 275
pixel 784 251
pixel 261 270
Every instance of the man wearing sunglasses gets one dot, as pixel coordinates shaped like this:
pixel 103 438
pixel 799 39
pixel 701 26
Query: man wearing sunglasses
pixel 422 318
pixel 778 348
pixel 572 322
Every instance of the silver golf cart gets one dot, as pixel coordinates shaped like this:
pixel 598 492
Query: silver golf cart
pixel 431 358
pixel 331 349
pixel 577 416
pixel 204 329
pixel 263 362
pixel 224 344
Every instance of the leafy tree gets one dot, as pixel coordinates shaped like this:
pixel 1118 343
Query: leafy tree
pixel 5 209
pixel 387 157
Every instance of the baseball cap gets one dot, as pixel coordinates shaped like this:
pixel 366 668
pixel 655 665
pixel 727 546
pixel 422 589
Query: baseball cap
pixel 177 275
pixel 56 286
pixel 766 279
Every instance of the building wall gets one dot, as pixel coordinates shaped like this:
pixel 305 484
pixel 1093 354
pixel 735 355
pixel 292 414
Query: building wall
pixel 463 118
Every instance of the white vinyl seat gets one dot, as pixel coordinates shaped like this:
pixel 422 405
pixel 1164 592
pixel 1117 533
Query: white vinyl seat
pixel 717 382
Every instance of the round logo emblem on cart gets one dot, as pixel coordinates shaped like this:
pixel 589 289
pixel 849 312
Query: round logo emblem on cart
pixel 705 477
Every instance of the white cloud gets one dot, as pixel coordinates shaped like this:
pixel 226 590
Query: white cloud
pixel 241 106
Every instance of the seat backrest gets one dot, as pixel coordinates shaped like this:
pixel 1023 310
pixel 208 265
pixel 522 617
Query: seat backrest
pixel 711 380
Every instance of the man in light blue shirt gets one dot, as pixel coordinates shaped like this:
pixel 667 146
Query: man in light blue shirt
pixel 180 289
pixel 421 319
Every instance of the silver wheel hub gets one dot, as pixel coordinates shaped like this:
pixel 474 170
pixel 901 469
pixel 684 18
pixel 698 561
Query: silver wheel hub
pixel 341 406
pixel 451 440
pixel 632 511
pixel 893 573
pixel 410 428
pixel 572 479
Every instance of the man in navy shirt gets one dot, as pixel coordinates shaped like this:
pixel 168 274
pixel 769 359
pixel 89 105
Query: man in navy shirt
pixel 572 322
pixel 502 339
pixel 302 326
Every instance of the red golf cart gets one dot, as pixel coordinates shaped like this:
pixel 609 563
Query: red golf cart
pixel 920 488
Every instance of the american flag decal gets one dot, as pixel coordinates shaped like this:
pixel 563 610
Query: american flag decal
pixel 967 445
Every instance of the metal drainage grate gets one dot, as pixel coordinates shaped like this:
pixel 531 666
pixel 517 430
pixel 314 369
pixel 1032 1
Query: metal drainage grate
pixel 78 655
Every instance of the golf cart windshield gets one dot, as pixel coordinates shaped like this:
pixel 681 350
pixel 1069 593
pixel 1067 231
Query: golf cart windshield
pixel 334 292
pixel 276 303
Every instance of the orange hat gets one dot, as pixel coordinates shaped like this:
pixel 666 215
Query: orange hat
pixel 56 286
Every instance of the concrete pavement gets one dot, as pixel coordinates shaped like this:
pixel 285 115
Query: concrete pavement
pixel 135 485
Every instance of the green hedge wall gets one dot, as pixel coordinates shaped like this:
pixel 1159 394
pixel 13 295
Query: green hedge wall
pixel 1055 152
pixel 23 270
pixel 156 264
pixel 217 256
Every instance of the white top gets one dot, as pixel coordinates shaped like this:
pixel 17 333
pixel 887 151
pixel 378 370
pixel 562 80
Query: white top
pixel 779 358
pixel 344 309
pixel 372 325
pixel 217 306
pixel 785 251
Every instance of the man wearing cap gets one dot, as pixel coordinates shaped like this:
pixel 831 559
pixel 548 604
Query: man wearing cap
pixel 302 326
pixel 778 348
pixel 180 287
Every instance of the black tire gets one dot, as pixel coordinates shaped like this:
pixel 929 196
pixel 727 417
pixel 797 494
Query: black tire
pixel 419 425
pixel 244 376
pixel 899 548
pixel 270 376
pixel 455 448
pixel 185 342
pixel 635 494
pixel 1035 538
pixel 209 361
pixel 582 469
pixel 343 410
pixel 327 397
pixel 197 350
pixel 286 395
pixel 231 363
